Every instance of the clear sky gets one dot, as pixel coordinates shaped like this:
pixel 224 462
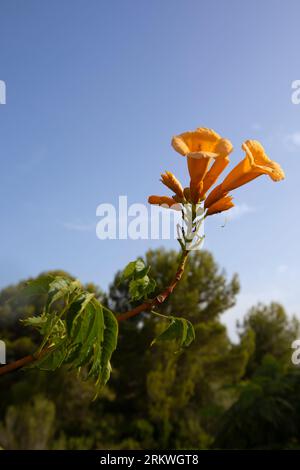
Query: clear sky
pixel 95 91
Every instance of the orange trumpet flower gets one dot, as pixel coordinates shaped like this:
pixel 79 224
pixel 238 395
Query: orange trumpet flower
pixel 169 180
pixel 201 147
pixel 221 205
pixel 207 156
pixel 255 163
pixel 168 202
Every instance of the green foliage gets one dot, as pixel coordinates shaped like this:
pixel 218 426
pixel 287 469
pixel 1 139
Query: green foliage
pixel 38 287
pixel 273 333
pixel 182 395
pixel 266 415
pixel 29 426
pixel 140 284
pixel 81 334
pixel 213 394
pixel 179 330
pixel 203 289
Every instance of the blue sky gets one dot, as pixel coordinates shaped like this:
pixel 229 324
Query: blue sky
pixel 95 91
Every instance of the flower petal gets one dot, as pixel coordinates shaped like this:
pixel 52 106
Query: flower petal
pixel 224 147
pixel 169 180
pixel 262 162
pixel 216 194
pixel 202 139
pixel 221 205
pixel 195 191
pixel 255 163
pixel 198 167
pixel 201 147
pixel 164 201
pixel 213 174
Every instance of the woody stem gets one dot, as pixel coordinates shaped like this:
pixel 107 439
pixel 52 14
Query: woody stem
pixel 144 307
pixel 160 298
pixel 24 361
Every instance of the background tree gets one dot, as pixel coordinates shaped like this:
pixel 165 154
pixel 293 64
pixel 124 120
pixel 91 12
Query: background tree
pixel 267 413
pixel 273 334
pixel 184 392
pixel 212 394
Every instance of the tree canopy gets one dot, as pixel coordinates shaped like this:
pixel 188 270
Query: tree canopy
pixel 213 394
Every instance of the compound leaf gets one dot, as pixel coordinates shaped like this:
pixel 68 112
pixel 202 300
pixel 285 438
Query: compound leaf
pixel 179 330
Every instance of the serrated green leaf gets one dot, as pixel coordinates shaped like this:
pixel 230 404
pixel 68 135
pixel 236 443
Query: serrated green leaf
pixel 59 288
pixel 172 331
pixel 72 354
pixel 179 330
pixel 151 286
pixel 82 334
pixel 190 336
pixel 141 287
pixel 35 322
pixel 53 359
pixel 139 265
pixel 108 346
pixel 37 287
pixel 72 313
pixel 90 331
pixel 129 270
pixel 96 330
pixel 134 269
pixel 140 283
pixel 141 273
pixel 138 287
pixel 76 308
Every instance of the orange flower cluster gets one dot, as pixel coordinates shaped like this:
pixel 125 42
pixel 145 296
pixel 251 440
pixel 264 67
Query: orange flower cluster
pixel 207 155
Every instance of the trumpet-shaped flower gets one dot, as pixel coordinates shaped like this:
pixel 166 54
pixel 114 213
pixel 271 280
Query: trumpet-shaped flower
pixel 255 163
pixel 201 147
pixel 207 156
pixel 202 142
pixel 213 174
pixel 221 205
pixel 164 201
pixel 169 180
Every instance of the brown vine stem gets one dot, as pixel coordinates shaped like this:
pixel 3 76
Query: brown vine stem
pixel 144 307
pixel 160 298
pixel 24 361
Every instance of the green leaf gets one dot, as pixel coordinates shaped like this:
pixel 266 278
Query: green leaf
pixel 81 333
pixel 77 306
pixel 190 335
pixel 61 287
pixel 35 322
pixel 151 286
pixel 72 313
pixel 140 283
pixel 129 270
pixel 141 287
pixel 108 346
pixel 37 287
pixel 52 360
pixel 140 269
pixel 142 273
pixel 179 330
pixel 139 265
pixel 138 287
pixel 47 325
pixel 134 269
pixel 91 332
